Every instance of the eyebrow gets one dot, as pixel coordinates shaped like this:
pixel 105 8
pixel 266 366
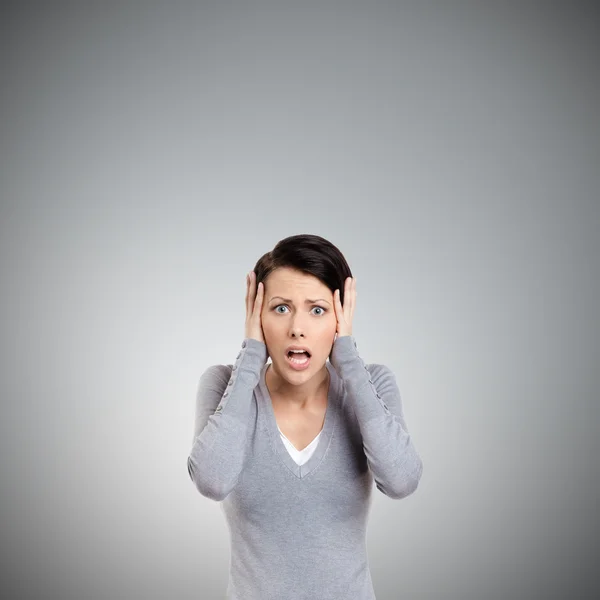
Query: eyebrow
pixel 306 301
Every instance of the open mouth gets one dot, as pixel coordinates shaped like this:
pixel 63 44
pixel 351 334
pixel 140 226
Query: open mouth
pixel 298 359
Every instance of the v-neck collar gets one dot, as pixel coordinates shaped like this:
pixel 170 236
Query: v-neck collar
pixel 270 424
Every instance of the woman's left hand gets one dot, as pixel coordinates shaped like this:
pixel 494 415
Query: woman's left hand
pixel 344 314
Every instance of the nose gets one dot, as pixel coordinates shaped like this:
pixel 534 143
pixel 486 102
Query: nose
pixel 297 327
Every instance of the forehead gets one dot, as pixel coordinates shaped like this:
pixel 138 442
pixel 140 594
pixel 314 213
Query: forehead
pixel 291 281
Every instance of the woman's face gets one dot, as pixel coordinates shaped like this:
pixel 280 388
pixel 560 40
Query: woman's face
pixel 288 318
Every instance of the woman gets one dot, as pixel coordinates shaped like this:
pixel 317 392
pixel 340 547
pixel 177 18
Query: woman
pixel 292 447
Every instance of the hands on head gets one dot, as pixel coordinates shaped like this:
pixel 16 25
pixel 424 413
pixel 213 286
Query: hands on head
pixel 254 302
pixel 344 314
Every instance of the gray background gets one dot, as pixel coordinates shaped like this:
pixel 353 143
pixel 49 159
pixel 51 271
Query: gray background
pixel 150 153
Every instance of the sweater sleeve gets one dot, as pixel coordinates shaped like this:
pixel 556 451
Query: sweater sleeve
pixel 223 401
pixel 392 457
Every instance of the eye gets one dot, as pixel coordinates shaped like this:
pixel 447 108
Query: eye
pixel 323 310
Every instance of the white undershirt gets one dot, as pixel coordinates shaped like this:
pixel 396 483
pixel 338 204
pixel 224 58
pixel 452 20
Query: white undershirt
pixel 300 456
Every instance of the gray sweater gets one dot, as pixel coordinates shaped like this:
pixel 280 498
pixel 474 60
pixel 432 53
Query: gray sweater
pixel 298 532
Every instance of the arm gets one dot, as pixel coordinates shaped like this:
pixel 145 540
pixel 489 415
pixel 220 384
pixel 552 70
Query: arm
pixel 221 424
pixel 390 452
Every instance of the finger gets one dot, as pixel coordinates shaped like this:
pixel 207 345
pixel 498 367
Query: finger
pixel 339 313
pixel 258 298
pixel 251 293
pixel 348 298
pixel 247 290
pixel 249 298
pixel 337 304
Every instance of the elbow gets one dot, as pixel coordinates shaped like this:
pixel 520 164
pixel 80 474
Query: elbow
pixel 408 482
pixel 409 487
pixel 208 488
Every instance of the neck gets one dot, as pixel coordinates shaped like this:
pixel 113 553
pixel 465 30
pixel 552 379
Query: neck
pixel 300 396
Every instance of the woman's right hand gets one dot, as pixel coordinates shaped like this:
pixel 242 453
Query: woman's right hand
pixel 254 302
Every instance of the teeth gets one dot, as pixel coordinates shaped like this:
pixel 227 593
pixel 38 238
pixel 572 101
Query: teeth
pixel 299 361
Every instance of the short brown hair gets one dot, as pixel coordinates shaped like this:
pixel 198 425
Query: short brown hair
pixel 308 253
